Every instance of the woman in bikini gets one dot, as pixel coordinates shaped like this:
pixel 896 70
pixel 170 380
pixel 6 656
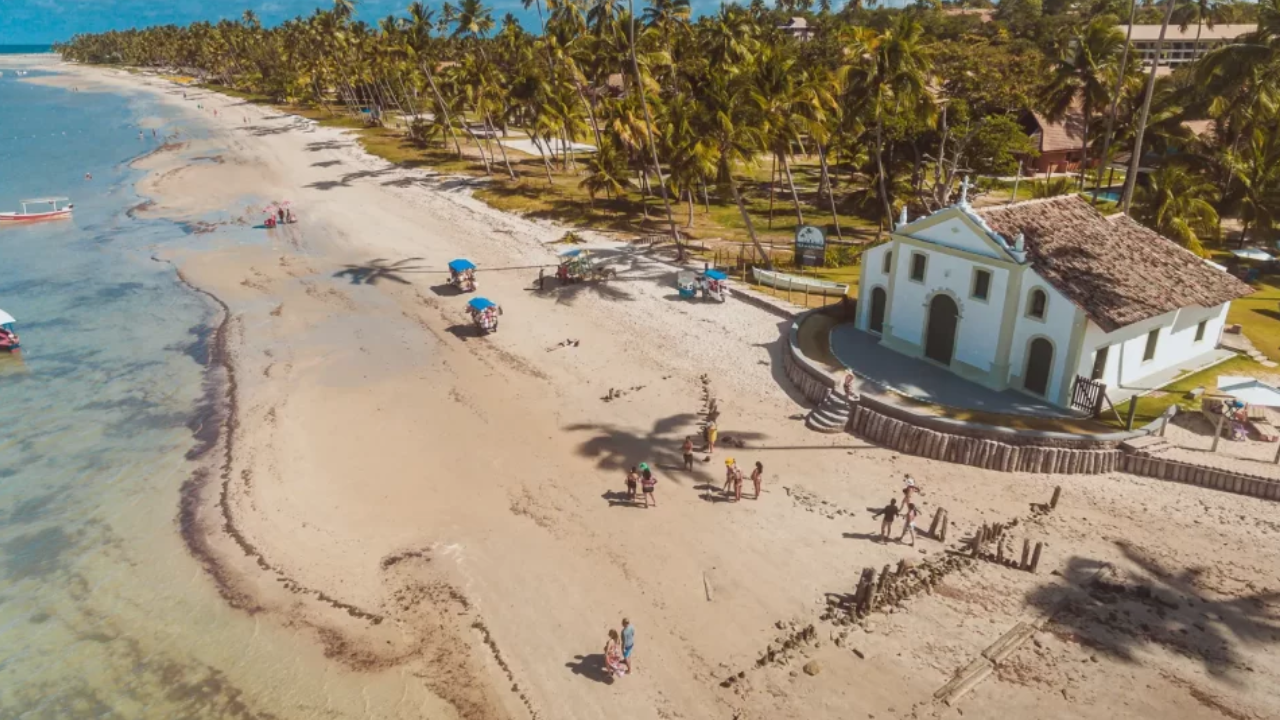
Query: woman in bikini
pixel 613 662
pixel 757 476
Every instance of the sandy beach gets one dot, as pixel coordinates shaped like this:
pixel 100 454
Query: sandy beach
pixel 443 515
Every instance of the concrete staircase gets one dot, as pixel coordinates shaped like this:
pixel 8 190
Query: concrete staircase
pixel 1147 446
pixel 832 415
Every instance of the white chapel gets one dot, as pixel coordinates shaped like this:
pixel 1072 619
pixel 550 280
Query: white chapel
pixel 1032 295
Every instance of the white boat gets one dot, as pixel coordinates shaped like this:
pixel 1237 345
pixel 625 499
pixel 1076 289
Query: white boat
pixel 59 207
pixel 799 283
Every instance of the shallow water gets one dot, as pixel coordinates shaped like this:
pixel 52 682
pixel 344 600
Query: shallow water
pixel 102 611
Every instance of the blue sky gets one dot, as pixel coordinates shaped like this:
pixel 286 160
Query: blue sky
pixel 24 22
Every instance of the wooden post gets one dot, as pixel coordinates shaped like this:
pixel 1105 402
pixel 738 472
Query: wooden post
pixel 1057 493
pixel 1217 429
pixel 788 291
pixel 1133 411
pixel 1035 557
pixel 933 526
pixel 1000 550
pixel 902 567
pixel 1026 554
pixel 942 536
pixel 1277 459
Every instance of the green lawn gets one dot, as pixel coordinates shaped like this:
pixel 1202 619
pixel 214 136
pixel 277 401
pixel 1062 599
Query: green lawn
pixel 1151 406
pixel 1259 315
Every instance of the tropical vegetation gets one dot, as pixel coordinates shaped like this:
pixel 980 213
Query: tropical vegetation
pixel 844 123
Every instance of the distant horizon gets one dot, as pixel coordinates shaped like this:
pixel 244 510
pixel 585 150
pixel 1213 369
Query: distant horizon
pixel 43 24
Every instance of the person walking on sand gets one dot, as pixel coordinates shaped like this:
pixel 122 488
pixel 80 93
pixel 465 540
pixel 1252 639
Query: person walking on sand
pixel 910 490
pixel 729 471
pixel 889 513
pixel 628 644
pixel 647 481
pixel 613 662
pixel 712 434
pixel 757 477
pixel 909 523
pixel 633 477
pixel 687 450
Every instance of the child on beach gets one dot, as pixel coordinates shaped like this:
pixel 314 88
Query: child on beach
pixel 909 523
pixel 757 477
pixel 647 481
pixel 687 450
pixel 633 477
pixel 890 513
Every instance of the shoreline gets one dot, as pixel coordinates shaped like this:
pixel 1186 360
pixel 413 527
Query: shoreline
pixel 376 453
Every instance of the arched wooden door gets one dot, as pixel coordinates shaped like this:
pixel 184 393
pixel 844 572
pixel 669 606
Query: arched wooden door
pixel 878 300
pixel 1039 366
pixel 940 335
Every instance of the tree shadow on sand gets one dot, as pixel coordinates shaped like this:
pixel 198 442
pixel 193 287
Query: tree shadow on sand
pixel 1117 611
pixel 379 269
pixel 618 450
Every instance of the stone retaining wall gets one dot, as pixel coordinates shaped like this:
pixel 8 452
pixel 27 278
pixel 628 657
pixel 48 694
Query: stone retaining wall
pixel 813 386
pixel 1215 478
pixel 983 453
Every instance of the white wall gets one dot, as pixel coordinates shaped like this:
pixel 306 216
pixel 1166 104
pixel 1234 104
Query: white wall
pixel 955 232
pixel 979 325
pixel 1175 347
pixel 872 275
pixel 1059 317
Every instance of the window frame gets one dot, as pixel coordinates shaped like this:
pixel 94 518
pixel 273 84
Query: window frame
pixel 1152 347
pixel 887 267
pixel 1201 330
pixel 973 284
pixel 1031 304
pixel 924 267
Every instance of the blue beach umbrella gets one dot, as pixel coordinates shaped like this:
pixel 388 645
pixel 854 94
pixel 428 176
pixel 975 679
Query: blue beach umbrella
pixel 461 265
pixel 480 304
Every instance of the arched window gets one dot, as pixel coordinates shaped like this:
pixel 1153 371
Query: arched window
pixel 1037 304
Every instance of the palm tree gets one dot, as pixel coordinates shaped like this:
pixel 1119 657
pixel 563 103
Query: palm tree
pixel 648 129
pixel 1135 159
pixel 419 39
pixel 1080 74
pixel 887 74
pixel 1255 178
pixel 1201 12
pixel 1179 204
pixel 606 173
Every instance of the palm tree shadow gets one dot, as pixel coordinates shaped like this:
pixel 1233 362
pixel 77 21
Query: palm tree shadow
pixel 617 449
pixel 379 269
pixel 1117 611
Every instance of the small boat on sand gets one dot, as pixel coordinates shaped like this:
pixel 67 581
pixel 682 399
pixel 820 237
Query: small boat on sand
pixel 782 281
pixel 59 207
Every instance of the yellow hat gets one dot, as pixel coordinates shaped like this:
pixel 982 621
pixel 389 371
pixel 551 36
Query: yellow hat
pixel 729 461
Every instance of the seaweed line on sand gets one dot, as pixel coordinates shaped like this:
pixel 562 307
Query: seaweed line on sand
pixel 217 426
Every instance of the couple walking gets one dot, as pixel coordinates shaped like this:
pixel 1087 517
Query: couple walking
pixel 641 475
pixel 908 510
pixel 619 649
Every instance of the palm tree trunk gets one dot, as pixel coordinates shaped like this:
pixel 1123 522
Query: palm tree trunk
pixel 773 176
pixel 501 149
pixel 546 163
pixel 1084 140
pixel 648 129
pixel 786 167
pixel 884 187
pixel 1134 162
pixel 444 109
pixel 742 210
pixel 1115 103
pixel 689 222
pixel 831 191
pixel 706 198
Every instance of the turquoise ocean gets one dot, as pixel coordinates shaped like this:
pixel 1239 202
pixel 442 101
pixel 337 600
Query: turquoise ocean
pixel 103 613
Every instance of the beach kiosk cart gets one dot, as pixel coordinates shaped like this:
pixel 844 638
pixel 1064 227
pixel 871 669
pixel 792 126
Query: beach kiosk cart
pixel 574 265
pixel 687 284
pixel 8 333
pixel 484 313
pixel 716 285
pixel 462 275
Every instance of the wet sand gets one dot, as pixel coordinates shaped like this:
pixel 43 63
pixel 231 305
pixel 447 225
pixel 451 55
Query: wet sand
pixel 429 509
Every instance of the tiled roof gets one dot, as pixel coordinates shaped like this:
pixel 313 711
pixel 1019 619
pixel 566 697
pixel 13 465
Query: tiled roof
pixel 1065 135
pixel 1220 31
pixel 1116 270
